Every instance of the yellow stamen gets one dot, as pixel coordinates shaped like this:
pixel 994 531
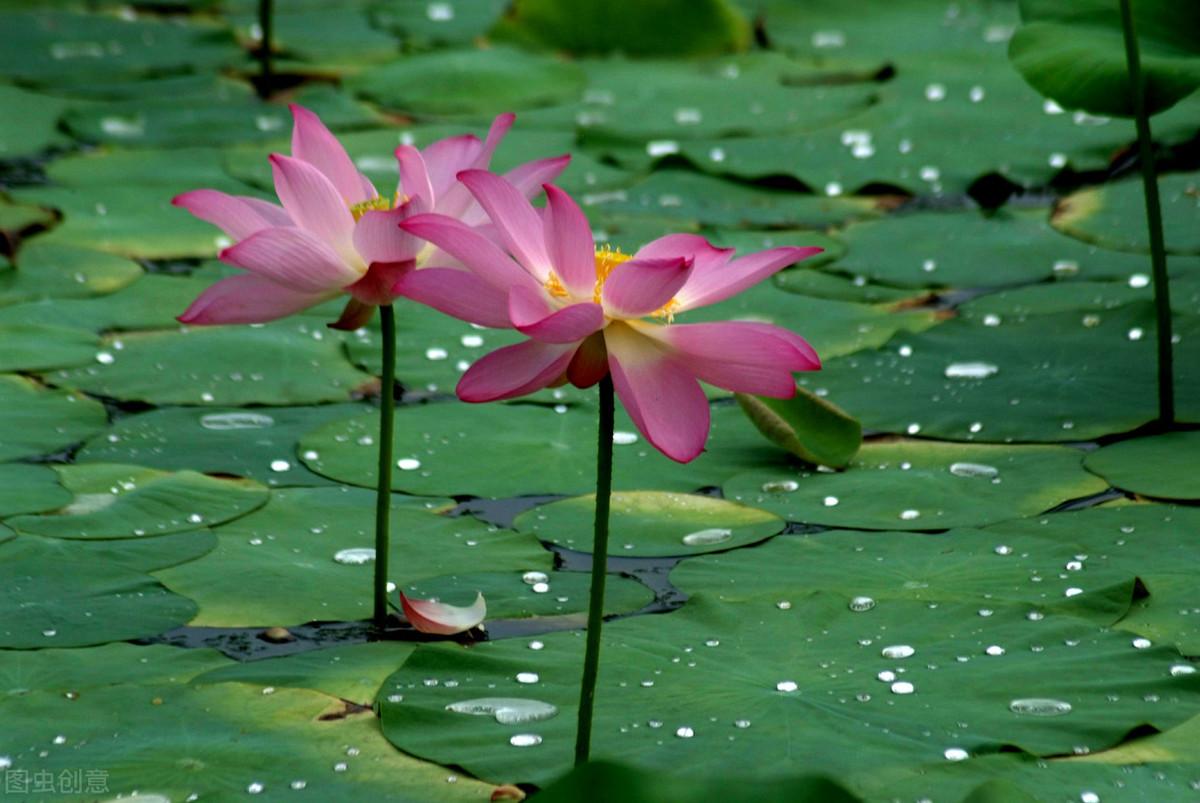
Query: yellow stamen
pixel 606 259
pixel 376 204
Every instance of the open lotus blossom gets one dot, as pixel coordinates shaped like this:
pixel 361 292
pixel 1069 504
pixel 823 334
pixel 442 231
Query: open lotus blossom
pixel 429 616
pixel 592 312
pixel 334 233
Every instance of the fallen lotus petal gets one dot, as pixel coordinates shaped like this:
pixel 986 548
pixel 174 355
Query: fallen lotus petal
pixel 430 616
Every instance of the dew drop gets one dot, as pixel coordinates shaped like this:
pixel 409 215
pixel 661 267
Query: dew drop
pixel 527 677
pixel 830 501
pixel 909 515
pixel 408 464
pixel 1182 670
pixel 684 732
pixel 780 486
pixel 897 651
pixel 1140 643
pixel 1039 707
pixel 354 556
pixel 715 535
pixel 955 754
pixel 255 788
pixel 532 578
pixel 621 438
pixel 525 740
pixel 786 686
pixel 974 470
pixel 903 687
pixel 280 465
pixel 860 604
pixel 995 650
pixel 970 370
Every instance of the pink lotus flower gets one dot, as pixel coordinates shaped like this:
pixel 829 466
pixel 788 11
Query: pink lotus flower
pixel 590 312
pixel 430 616
pixel 335 233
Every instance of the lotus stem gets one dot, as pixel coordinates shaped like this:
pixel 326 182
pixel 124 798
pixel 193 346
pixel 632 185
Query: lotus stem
pixel 383 493
pixel 264 48
pixel 591 658
pixel 1158 251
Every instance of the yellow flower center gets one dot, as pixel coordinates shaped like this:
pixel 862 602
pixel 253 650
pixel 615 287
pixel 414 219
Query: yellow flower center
pixel 376 204
pixel 607 259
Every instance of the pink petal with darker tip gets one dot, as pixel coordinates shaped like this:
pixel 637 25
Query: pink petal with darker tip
pixel 313 203
pixel 313 143
pixel 532 315
pixel 247 298
pixel 518 224
pixel 379 238
pixel 664 400
pixel 458 293
pixel 439 618
pixel 721 282
pixel 641 286
pixel 237 216
pixel 293 258
pixel 414 178
pixel 446 158
pixel 515 371
pixel 473 248
pixel 569 240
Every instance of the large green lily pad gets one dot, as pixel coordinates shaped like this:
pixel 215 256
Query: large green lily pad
pixel 37 347
pixel 1114 215
pixel 1032 378
pixel 48 270
pixel 67 47
pixel 57 598
pixel 218 742
pixel 652 524
pixel 797 689
pixel 1074 52
pixel 352 672
pixel 278 566
pixel 922 485
pixel 967 249
pixel 290 362
pixel 978 567
pixel 470 82
pixel 38 421
pixel 30 122
pixel 1165 466
pixel 1155 542
pixel 29 489
pixel 116 501
pixel 259 444
pixel 79 670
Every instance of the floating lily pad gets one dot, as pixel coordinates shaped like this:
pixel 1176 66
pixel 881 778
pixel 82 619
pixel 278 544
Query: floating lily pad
pixel 292 543
pixel 259 444
pixel 352 672
pixel 1030 378
pixel 176 741
pixel 57 598
pixel 67 47
pixel 1114 215
pixel 611 781
pixel 1152 541
pixel 755 94
pixel 563 595
pixel 37 421
pixel 29 489
pixel 48 270
pixel 683 195
pixel 652 524
pixel 1074 53
pixel 33 347
pixel 19 219
pixel 923 485
pixel 422 24
pixel 967 249
pixel 115 501
pixel 79 670
pixel 789 685
pixel 870 571
pixel 475 82
pixel 337 38
pixel 1166 466
pixel 701 28
pixel 30 122
pixel 228 116
pixel 291 362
